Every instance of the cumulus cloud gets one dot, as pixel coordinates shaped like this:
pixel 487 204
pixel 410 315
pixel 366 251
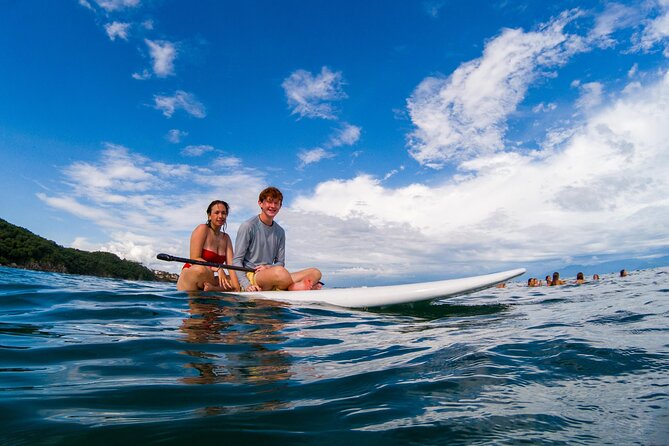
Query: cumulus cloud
pixel 615 17
pixel 313 156
pixel 657 30
pixel 144 75
pixel 175 136
pixel 542 107
pixel 181 100
pixel 603 192
pixel 227 162
pixel 198 150
pixel 464 115
pixel 117 5
pixel 145 206
pixel 312 96
pixel 86 5
pixel 347 135
pixel 162 54
pixel 591 95
pixel 633 71
pixel 117 29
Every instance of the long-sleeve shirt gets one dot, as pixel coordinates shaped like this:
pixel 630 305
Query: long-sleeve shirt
pixel 258 244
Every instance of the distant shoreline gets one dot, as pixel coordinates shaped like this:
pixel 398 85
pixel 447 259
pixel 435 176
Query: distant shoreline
pixel 20 248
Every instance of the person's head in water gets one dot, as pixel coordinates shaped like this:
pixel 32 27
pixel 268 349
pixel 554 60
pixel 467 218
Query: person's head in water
pixel 579 276
pixel 623 273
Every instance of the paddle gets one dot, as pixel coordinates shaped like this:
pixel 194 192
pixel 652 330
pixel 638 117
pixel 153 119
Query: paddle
pixel 169 258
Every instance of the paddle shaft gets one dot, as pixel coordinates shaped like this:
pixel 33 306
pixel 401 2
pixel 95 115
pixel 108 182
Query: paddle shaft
pixel 169 258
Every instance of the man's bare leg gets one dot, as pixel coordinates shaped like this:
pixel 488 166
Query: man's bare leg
pixel 306 278
pixel 274 277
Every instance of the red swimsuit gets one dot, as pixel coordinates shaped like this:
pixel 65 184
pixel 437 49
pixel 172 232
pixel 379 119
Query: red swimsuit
pixel 209 256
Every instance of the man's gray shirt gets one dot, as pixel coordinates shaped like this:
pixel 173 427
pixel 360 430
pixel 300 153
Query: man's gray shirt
pixel 258 244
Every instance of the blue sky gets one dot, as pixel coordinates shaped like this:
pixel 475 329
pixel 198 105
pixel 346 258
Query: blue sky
pixel 412 140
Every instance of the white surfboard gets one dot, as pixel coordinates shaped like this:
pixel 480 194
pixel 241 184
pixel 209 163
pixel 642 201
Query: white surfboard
pixel 381 296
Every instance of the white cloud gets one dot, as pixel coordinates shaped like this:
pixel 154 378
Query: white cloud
pixel 117 29
pixel 632 87
pixel 120 173
pixel 633 71
pixel 657 29
pixel 392 173
pixel 311 96
pixel 86 5
pixel 591 95
pixel 175 136
pixel 604 192
pixel 347 135
pixel 163 54
pixel 227 162
pixel 144 75
pixel 542 107
pixel 313 156
pixel 198 150
pixel 145 207
pixel 69 204
pixel 181 100
pixel 615 17
pixel 117 5
pixel 464 115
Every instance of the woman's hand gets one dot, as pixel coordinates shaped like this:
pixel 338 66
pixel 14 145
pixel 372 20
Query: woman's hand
pixel 252 288
pixel 223 281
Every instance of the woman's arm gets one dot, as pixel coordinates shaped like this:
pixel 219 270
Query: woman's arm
pixel 197 239
pixel 229 255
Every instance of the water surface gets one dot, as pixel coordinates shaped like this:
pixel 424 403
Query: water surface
pixel 85 360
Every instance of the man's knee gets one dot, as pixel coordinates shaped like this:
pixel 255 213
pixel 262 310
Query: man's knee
pixel 315 273
pixel 276 276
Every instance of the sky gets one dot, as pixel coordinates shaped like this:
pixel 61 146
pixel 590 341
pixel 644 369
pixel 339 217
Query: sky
pixel 412 140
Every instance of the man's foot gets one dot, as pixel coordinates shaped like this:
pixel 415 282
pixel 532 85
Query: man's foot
pixel 302 285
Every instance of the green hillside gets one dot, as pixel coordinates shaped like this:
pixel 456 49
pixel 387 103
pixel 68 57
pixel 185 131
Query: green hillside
pixel 22 249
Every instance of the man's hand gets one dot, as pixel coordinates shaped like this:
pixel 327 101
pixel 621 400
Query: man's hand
pixel 262 267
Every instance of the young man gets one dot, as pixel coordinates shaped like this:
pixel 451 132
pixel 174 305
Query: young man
pixel 261 245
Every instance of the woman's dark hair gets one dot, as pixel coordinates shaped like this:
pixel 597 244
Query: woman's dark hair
pixel 211 205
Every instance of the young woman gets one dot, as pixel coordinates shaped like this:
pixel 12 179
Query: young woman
pixel 210 243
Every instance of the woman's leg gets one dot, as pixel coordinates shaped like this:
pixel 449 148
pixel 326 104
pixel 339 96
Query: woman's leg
pixel 194 278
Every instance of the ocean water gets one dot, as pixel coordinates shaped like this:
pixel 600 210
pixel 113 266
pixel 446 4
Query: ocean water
pixel 86 360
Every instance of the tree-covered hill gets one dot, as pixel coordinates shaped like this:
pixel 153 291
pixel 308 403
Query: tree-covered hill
pixel 23 249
